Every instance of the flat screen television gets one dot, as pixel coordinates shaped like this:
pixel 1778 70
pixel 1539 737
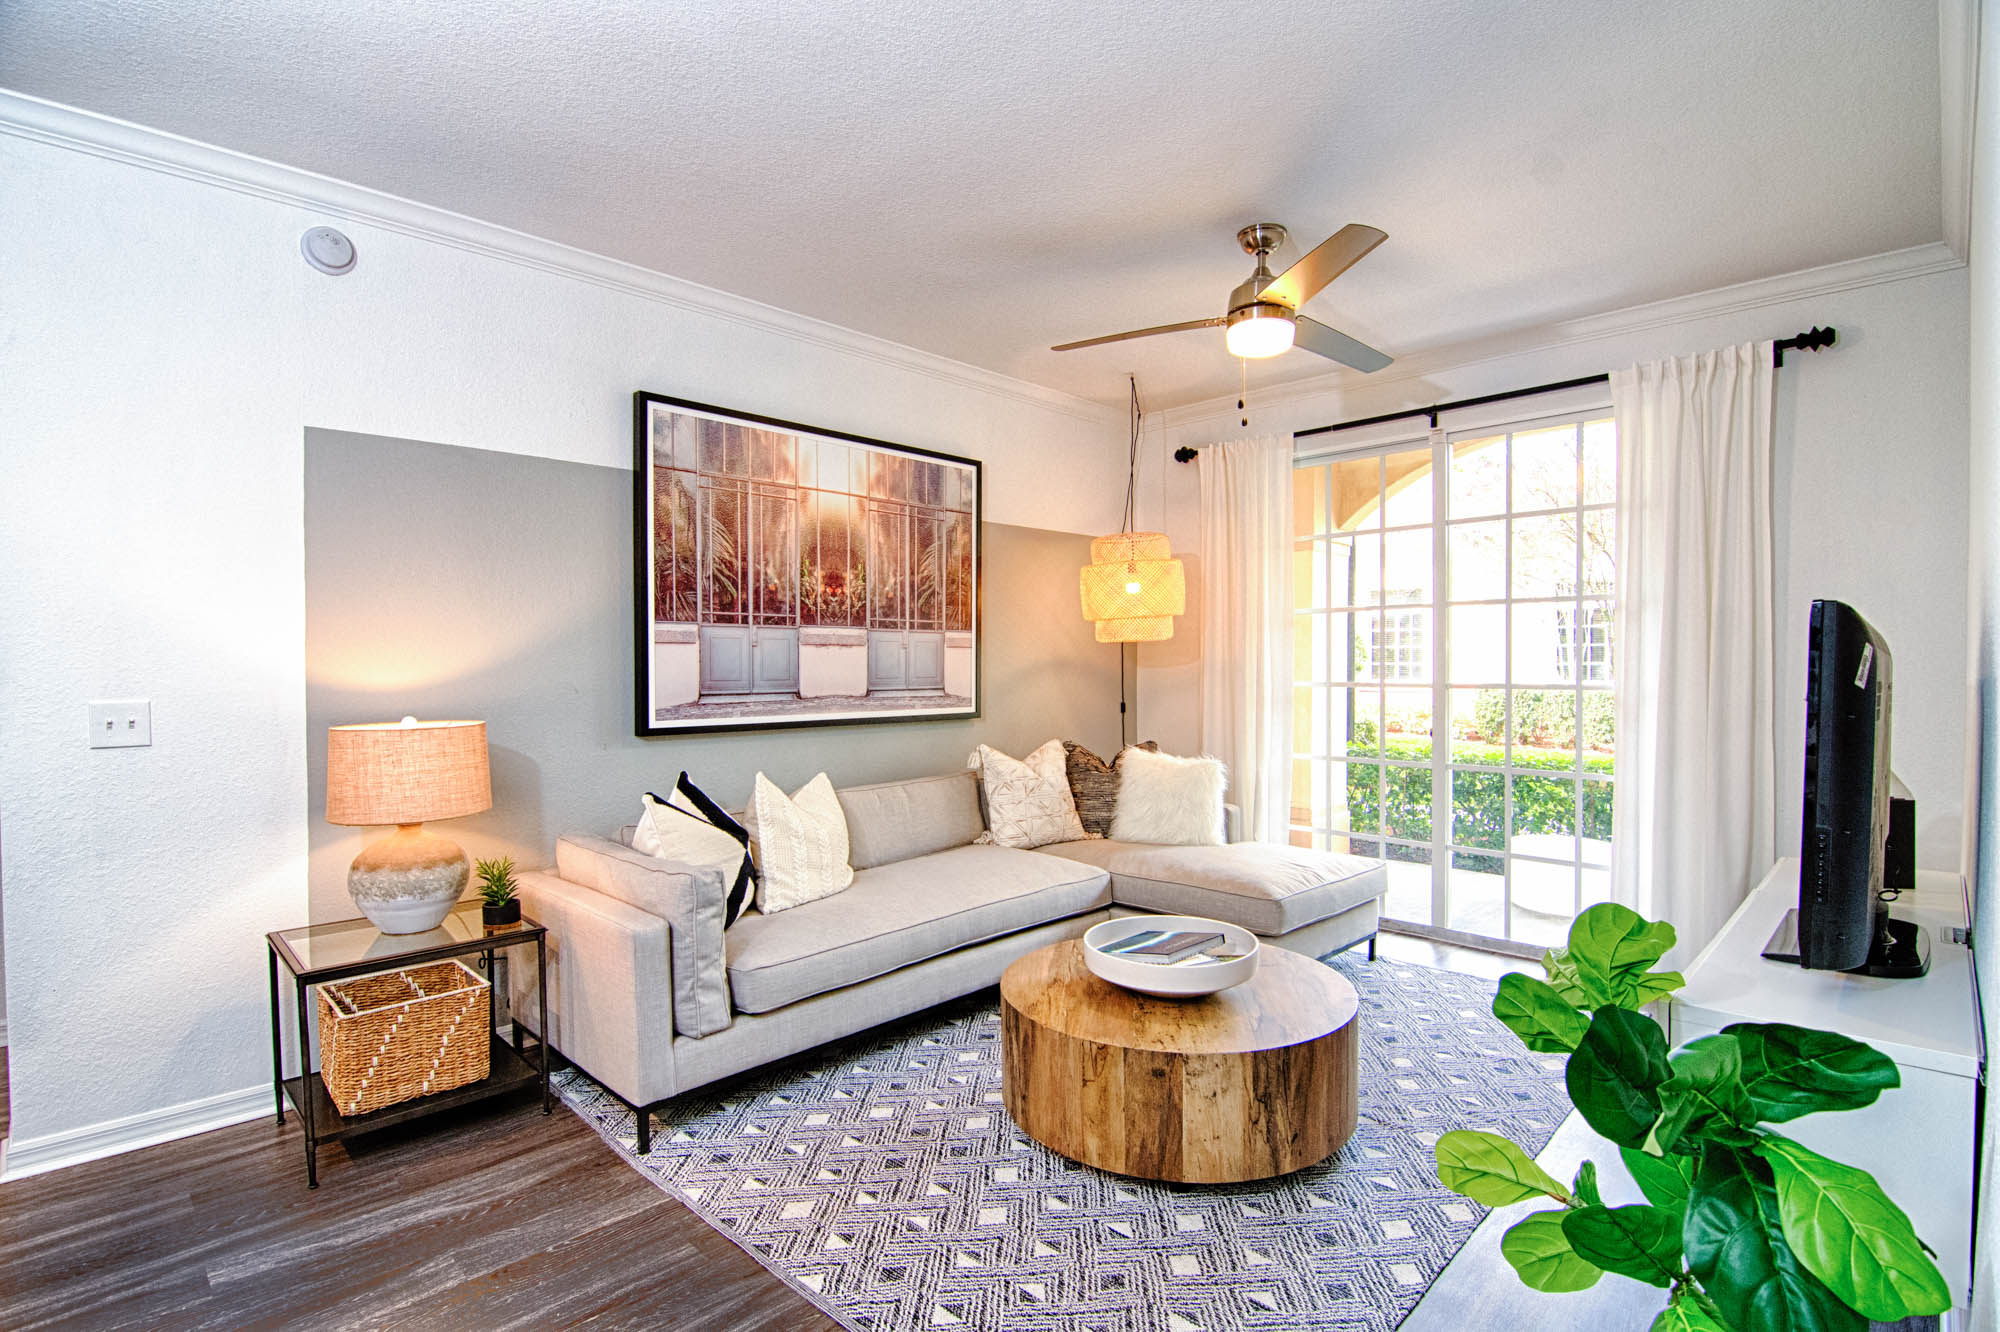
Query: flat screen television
pixel 1855 854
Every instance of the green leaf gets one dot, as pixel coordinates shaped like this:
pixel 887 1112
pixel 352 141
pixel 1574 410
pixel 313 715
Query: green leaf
pixel 1736 1247
pixel 1609 940
pixel 1640 1242
pixel 1616 1073
pixel 1791 1071
pixel 1682 1314
pixel 1540 1252
pixel 1665 1180
pixel 1489 1169
pixel 1584 1188
pixel 1706 1089
pixel 1848 1233
pixel 1563 978
pixel 1533 1010
pixel 1643 989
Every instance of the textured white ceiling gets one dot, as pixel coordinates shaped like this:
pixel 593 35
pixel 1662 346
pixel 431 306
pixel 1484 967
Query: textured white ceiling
pixel 982 180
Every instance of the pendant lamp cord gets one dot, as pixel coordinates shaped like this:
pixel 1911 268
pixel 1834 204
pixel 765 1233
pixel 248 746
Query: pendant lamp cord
pixel 1134 418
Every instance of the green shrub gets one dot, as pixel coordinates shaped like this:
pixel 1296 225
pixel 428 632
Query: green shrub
pixel 1478 799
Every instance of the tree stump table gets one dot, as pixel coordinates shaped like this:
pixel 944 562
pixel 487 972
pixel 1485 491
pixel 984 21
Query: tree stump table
pixel 1257 1081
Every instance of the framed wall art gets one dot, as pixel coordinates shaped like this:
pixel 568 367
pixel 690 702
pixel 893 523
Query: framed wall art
pixel 786 575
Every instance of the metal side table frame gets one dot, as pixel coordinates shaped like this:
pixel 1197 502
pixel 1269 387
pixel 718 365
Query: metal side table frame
pixel 338 950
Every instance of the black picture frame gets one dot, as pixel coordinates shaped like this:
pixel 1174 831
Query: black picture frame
pixel 811 577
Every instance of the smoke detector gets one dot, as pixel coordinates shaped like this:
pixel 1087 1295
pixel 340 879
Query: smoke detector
pixel 328 251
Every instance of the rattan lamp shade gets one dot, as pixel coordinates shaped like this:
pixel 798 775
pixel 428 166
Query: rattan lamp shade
pixel 406 772
pixel 1133 587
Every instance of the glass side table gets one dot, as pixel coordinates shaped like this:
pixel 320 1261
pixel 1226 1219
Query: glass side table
pixel 316 954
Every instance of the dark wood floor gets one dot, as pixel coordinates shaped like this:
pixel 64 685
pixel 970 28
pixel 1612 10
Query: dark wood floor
pixel 495 1218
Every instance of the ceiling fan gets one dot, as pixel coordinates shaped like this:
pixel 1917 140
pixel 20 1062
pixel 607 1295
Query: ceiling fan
pixel 1264 317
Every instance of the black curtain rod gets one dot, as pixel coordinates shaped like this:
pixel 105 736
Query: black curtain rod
pixel 1812 340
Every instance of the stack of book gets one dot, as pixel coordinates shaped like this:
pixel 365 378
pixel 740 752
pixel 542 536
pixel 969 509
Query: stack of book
pixel 1178 948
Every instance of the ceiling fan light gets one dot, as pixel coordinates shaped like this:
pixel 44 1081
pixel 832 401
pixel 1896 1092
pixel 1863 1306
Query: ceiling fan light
pixel 1259 331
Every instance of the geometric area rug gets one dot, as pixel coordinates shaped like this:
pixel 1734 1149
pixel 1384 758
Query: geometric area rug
pixel 883 1180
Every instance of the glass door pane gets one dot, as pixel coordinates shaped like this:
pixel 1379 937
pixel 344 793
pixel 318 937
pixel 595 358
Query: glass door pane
pixel 1453 668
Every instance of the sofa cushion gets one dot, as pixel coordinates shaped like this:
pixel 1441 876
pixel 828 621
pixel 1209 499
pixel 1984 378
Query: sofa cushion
pixel 1265 888
pixel 892 821
pixel 690 899
pixel 901 913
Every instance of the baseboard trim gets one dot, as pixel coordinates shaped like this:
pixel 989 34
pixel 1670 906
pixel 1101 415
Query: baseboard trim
pixel 33 1156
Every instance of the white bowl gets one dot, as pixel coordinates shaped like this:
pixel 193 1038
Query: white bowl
pixel 1169 982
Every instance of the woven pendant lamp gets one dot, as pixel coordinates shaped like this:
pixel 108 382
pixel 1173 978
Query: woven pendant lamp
pixel 1133 586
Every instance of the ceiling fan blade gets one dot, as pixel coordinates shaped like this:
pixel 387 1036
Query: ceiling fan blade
pixel 1327 261
pixel 1336 345
pixel 1142 333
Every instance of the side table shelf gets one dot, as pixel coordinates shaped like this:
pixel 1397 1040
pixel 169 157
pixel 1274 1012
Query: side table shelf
pixel 319 954
pixel 510 1072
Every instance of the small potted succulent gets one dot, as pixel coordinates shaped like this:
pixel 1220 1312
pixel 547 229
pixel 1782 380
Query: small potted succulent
pixel 496 889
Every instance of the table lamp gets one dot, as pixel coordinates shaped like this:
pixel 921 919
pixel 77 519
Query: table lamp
pixel 407 773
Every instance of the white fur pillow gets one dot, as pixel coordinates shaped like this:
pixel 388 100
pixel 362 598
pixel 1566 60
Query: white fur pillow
pixel 800 841
pixel 1169 801
pixel 1028 801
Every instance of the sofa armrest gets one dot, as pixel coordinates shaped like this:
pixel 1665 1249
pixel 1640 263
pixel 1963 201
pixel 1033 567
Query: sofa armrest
pixel 691 899
pixel 610 986
pixel 1232 822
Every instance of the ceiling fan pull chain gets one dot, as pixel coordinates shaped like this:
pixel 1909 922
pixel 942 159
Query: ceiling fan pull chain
pixel 1244 396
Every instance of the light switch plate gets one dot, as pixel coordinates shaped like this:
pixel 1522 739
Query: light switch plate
pixel 121 723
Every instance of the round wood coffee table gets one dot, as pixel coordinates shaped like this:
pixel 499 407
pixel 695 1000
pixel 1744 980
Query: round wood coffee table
pixel 1256 1081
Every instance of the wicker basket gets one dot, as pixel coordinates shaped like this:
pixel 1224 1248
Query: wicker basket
pixel 398 1034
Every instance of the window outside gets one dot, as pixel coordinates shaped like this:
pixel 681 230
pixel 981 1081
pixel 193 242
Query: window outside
pixel 1452 706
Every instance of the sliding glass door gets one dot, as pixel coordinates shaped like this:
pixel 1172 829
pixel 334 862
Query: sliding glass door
pixel 1453 679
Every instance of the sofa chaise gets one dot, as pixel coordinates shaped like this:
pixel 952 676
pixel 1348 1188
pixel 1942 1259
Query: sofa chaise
pixel 652 997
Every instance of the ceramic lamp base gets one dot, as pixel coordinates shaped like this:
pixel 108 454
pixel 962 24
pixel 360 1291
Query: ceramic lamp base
pixel 409 881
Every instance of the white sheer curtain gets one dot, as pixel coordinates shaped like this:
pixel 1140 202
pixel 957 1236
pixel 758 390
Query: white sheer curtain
pixel 1246 625
pixel 1695 805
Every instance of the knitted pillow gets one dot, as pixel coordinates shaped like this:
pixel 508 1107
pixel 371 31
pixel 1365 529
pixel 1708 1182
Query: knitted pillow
pixel 801 842
pixel 1028 803
pixel 1093 784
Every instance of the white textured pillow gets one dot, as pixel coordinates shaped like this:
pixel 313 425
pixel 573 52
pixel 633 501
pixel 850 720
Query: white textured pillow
pixel 1169 801
pixel 800 842
pixel 671 833
pixel 1028 801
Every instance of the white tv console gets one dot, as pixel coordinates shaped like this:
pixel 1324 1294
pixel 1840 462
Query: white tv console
pixel 1918 1140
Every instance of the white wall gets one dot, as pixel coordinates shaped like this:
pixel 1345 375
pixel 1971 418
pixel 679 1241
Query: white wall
pixel 1983 714
pixel 162 351
pixel 1870 484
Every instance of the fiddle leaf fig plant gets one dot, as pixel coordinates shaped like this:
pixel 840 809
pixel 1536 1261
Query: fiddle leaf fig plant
pixel 1745 1229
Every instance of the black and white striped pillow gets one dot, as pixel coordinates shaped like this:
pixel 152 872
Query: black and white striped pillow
pixel 699 832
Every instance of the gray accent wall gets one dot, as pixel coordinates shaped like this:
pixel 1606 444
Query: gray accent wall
pixel 454 582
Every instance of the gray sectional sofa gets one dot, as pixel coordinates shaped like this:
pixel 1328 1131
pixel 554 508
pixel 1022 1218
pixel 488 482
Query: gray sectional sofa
pixel 652 997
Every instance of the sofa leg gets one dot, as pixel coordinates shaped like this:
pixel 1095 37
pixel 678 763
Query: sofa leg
pixel 644 1114
pixel 1371 948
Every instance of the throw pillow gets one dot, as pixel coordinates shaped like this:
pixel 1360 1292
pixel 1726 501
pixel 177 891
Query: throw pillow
pixel 1028 803
pixel 698 832
pixel 801 843
pixel 1168 800
pixel 1093 784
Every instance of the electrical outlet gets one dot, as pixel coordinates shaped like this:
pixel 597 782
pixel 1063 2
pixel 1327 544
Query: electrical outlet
pixel 121 723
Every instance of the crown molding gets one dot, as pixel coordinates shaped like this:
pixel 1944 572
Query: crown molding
pixel 41 121
pixel 1784 288
pixel 1958 96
